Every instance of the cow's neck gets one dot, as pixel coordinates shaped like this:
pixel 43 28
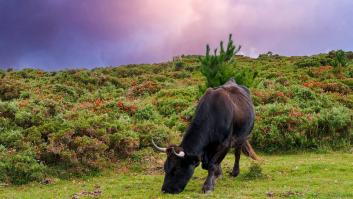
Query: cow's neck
pixel 194 142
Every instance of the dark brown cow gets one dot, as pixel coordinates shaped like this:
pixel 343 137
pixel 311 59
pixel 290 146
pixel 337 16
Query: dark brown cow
pixel 224 118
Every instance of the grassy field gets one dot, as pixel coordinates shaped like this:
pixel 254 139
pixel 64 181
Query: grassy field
pixel 304 175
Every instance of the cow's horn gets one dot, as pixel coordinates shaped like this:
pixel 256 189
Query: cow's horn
pixel 180 154
pixel 159 148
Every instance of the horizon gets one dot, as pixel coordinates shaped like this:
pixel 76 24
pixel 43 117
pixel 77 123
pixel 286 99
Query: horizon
pixel 59 35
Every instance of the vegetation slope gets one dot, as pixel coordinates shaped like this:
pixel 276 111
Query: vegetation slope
pixel 77 121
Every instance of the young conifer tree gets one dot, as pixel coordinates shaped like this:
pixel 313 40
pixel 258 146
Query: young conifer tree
pixel 218 68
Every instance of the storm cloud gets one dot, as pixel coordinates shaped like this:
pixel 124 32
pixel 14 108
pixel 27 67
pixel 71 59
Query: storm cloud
pixel 60 34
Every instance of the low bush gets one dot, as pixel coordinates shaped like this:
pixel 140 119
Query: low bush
pixel 331 127
pixel 2 73
pixel 148 130
pixel 124 143
pixel 287 127
pixel 329 86
pixel 147 87
pixel 255 172
pixel 246 77
pixel 266 97
pixel 8 109
pixel 179 65
pixel 68 91
pixel 315 62
pixel 10 138
pixel 82 143
pixel 348 82
pixel 20 167
pixel 146 113
pixel 9 89
pixel 169 106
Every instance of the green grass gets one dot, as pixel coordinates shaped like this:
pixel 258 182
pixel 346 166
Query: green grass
pixel 303 175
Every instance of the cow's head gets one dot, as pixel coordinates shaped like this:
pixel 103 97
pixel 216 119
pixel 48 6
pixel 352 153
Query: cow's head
pixel 178 168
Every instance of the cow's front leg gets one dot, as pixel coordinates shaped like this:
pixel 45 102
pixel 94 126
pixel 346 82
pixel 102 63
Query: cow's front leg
pixel 210 180
pixel 214 169
pixel 218 171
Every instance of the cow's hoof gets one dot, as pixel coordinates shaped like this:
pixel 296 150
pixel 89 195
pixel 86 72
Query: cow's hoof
pixel 235 173
pixel 218 177
pixel 207 189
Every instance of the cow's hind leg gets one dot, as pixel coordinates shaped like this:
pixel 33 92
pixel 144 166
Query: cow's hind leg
pixel 237 153
pixel 214 170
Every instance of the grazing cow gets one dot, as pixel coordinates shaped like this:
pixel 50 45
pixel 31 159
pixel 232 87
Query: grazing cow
pixel 224 118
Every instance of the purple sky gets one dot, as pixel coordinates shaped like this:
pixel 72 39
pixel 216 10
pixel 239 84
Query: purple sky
pixel 56 34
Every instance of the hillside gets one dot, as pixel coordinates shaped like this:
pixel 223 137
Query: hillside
pixel 74 121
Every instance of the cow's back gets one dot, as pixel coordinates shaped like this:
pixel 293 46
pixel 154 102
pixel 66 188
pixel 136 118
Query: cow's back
pixel 244 113
pixel 222 114
pixel 229 106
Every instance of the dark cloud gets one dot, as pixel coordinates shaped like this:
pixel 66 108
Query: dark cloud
pixel 89 33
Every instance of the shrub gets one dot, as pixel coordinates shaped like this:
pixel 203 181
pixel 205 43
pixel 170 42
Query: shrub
pixel 10 138
pixel 287 127
pixel 307 63
pixel 147 87
pixel 147 113
pixel 74 150
pixel 180 74
pixel 129 71
pixel 8 109
pixel 314 61
pixel 322 71
pixel 246 77
pixel 2 73
pixel 268 96
pixel 350 72
pixel 148 130
pixel 219 68
pixel 20 168
pixel 349 55
pixel 255 171
pixel 329 86
pixel 188 113
pixel 189 93
pixel 348 82
pixel 335 123
pixel 27 119
pixel 340 59
pixel 129 109
pixel 124 143
pixel 169 106
pixel 9 89
pixel 302 93
pixel 179 65
pixel 277 128
pixel 24 95
pixel 68 91
pixel 81 144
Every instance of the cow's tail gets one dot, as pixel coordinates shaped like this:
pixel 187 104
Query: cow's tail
pixel 249 151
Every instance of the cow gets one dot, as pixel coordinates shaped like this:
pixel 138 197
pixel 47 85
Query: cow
pixel 224 119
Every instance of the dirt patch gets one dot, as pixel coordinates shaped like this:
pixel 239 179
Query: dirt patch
pixel 286 194
pixel 95 193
